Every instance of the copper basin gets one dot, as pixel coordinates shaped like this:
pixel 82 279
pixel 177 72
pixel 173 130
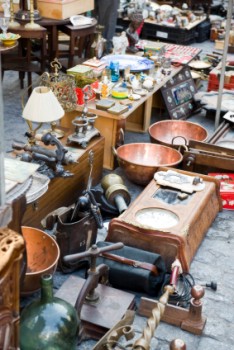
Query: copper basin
pixel 141 160
pixel 176 132
pixel 42 258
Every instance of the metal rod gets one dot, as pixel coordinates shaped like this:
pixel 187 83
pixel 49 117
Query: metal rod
pixel 2 175
pixel 224 58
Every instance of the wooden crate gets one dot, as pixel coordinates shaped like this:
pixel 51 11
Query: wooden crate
pixel 62 9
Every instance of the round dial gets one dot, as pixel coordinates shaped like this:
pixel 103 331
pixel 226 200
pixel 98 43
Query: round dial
pixel 156 218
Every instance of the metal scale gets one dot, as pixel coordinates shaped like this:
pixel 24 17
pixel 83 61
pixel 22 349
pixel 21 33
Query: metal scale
pixel 170 217
pixel 84 124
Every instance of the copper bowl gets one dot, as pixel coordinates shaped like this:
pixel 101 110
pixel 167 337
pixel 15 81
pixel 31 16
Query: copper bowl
pixel 141 160
pixel 174 133
pixel 42 258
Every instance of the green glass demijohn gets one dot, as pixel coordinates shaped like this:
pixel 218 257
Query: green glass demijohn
pixel 49 323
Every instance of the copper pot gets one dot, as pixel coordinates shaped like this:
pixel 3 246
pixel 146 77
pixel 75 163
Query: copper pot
pixel 141 160
pixel 175 133
pixel 42 258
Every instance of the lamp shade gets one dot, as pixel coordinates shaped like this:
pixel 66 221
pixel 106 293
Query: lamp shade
pixel 42 106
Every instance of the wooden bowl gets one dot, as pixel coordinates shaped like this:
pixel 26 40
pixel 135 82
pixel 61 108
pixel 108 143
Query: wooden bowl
pixel 141 160
pixel 174 133
pixel 42 258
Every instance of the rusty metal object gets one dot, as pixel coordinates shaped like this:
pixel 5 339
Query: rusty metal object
pixel 176 132
pixel 141 160
pixel 42 257
pixel 123 327
pixel 95 273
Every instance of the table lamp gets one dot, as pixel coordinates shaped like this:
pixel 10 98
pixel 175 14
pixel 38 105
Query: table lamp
pixel 42 107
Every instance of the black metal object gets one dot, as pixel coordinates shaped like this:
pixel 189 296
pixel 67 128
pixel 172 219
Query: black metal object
pixel 53 159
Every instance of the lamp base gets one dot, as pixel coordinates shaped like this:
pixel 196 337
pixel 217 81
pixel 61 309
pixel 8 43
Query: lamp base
pixel 13 24
pixel 55 132
pixel 32 25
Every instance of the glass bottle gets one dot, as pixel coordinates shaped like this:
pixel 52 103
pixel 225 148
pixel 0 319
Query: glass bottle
pixel 49 323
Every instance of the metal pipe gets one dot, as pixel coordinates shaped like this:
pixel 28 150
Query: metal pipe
pixel 2 174
pixel 224 58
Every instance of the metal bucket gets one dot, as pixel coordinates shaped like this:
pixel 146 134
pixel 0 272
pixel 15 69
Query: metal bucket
pixel 42 258
pixel 141 160
pixel 174 133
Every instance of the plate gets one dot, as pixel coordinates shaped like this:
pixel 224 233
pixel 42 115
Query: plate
pixel 134 97
pixel 79 20
pixel 141 92
pixel 197 64
pixel 166 8
pixel 195 75
pixel 38 187
pixel 136 63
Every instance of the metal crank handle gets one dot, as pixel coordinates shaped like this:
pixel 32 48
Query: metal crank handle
pixel 94 251
pixel 22 146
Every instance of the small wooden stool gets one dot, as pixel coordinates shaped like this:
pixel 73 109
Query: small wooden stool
pixel 81 37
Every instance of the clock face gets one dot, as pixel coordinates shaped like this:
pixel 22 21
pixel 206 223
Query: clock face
pixel 156 218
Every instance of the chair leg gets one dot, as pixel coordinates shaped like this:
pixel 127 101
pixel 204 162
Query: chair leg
pixel 21 78
pixel 29 83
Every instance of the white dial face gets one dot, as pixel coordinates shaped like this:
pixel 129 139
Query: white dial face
pixel 156 218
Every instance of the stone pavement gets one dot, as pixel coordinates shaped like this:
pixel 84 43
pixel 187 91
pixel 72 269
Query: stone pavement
pixel 213 261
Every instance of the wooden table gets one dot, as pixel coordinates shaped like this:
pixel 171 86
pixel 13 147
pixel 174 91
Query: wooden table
pixel 81 37
pixel 112 126
pixel 52 26
pixel 160 31
pixel 24 61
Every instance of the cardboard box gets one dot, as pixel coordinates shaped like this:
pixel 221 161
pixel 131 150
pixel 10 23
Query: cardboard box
pixel 226 188
pixel 62 9
pixel 81 70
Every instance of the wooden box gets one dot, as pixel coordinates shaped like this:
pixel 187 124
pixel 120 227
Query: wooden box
pixel 181 238
pixel 64 191
pixel 62 9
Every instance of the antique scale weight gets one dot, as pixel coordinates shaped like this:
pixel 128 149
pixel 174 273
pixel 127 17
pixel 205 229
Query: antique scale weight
pixel 170 217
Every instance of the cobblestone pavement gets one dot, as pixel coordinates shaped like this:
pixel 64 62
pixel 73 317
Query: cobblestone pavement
pixel 213 261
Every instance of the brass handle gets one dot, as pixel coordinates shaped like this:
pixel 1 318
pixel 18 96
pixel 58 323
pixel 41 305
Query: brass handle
pixel 114 151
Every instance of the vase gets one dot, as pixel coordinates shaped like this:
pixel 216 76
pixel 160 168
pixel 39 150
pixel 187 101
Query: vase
pixel 49 323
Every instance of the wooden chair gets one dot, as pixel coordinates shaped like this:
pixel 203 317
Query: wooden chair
pixel 24 59
pixel 80 41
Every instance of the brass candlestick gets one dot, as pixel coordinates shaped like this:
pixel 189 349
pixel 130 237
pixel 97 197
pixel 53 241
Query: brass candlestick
pixel 32 24
pixel 13 23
